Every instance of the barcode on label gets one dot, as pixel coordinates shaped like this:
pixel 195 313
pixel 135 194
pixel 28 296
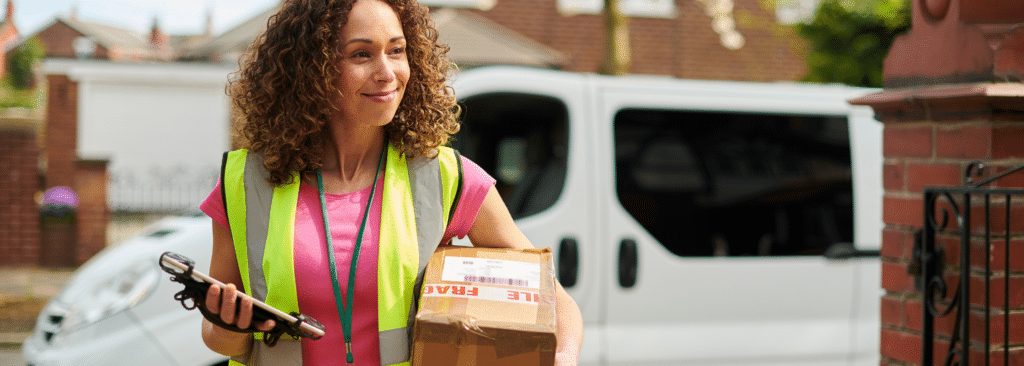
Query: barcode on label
pixel 498 281
pixel 491 272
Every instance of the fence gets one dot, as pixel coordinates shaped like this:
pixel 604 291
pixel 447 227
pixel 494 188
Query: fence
pixel 160 189
pixel 968 236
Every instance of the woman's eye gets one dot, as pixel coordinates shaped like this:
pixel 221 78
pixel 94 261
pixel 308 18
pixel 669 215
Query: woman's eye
pixel 360 54
pixel 398 50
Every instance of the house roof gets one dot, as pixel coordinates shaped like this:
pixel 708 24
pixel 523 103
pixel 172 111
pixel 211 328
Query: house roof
pixel 110 37
pixel 231 44
pixel 184 43
pixel 473 40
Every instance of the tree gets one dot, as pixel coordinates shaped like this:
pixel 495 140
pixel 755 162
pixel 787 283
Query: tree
pixel 21 62
pixel 849 40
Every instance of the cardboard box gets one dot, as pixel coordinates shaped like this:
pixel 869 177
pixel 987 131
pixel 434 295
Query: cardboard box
pixel 485 306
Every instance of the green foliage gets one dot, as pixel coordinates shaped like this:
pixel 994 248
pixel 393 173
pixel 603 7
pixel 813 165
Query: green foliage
pixel 21 61
pixel 849 40
pixel 11 97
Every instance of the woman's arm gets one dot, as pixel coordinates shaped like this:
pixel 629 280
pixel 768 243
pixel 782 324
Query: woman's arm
pixel 494 228
pixel 224 267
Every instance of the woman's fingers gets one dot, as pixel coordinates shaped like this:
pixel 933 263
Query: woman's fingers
pixel 244 312
pixel 228 303
pixel 266 325
pixel 232 308
pixel 213 299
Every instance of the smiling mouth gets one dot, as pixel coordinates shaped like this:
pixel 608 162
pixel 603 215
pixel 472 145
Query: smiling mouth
pixel 382 97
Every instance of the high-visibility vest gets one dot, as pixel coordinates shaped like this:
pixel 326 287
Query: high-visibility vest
pixel 418 201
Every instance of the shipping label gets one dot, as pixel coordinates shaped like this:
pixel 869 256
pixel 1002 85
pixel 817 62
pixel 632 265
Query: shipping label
pixel 491 272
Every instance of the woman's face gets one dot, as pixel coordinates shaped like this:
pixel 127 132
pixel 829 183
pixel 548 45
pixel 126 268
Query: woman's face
pixel 373 70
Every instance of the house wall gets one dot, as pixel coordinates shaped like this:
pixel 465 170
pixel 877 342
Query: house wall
pixel 59 40
pixel 686 46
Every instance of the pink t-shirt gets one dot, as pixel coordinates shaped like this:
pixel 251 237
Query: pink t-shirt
pixel 312 271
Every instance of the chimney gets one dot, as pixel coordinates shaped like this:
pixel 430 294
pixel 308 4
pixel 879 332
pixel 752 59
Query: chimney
pixel 9 17
pixel 209 23
pixel 73 12
pixel 159 42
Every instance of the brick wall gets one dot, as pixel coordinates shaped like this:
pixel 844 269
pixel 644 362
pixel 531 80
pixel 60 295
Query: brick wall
pixel 931 141
pixel 19 182
pixel 685 46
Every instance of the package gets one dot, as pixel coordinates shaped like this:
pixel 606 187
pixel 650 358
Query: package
pixel 486 306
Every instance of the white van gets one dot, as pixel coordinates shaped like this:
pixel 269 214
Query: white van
pixel 695 223
pixel 690 219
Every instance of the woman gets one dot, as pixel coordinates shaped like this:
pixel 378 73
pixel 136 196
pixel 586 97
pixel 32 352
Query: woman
pixel 334 95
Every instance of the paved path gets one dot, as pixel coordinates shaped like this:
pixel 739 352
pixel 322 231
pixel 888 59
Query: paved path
pixel 31 282
pixel 26 282
pixel 11 356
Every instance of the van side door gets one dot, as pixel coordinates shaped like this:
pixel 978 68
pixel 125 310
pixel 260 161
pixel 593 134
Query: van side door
pixel 718 204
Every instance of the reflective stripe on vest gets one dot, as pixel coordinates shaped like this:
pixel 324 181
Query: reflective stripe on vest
pixel 413 217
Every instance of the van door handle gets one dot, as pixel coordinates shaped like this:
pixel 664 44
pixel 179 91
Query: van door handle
pixel 568 262
pixel 843 251
pixel 628 262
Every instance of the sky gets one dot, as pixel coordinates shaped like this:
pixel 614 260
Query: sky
pixel 179 17
pixel 175 16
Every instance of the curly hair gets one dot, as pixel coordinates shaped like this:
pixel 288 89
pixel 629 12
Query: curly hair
pixel 283 91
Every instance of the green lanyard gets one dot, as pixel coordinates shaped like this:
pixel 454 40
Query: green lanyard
pixel 345 311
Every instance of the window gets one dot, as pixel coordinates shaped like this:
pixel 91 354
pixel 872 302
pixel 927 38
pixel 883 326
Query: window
pixel 723 184
pixel 634 8
pixel 469 4
pixel 522 141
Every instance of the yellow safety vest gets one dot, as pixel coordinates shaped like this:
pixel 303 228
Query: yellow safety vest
pixel 418 200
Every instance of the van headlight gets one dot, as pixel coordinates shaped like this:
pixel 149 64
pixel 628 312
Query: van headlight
pixel 117 292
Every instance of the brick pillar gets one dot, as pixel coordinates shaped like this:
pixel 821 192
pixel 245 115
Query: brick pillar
pixel 942 110
pixel 61 131
pixel 19 183
pixel 92 215
pixel 87 178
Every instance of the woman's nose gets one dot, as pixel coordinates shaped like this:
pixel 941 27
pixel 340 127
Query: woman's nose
pixel 385 70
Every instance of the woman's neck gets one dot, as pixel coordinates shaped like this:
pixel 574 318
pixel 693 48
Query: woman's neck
pixel 352 159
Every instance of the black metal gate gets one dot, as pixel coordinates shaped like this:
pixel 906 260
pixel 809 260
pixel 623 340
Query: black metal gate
pixel 978 215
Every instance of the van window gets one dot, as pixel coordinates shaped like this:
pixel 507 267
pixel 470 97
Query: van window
pixel 727 184
pixel 522 141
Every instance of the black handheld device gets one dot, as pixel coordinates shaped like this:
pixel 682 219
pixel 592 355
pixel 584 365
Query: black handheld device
pixel 197 283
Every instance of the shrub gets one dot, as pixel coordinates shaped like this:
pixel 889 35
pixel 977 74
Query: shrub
pixel 23 58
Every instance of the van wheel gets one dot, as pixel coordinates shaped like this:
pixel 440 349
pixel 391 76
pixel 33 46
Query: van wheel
pixel 222 363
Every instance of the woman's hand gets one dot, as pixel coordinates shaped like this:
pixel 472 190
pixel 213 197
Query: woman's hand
pixel 222 300
pixel 225 302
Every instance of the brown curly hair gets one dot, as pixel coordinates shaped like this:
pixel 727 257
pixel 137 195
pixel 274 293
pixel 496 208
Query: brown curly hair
pixel 283 90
